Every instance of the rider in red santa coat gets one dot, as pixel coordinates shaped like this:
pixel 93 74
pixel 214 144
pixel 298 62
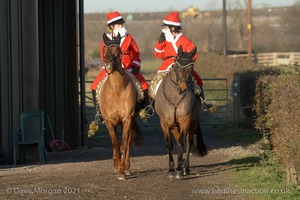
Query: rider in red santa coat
pixel 166 48
pixel 130 58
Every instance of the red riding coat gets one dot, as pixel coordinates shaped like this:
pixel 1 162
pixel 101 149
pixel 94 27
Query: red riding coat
pixel 168 51
pixel 130 57
pixel 130 52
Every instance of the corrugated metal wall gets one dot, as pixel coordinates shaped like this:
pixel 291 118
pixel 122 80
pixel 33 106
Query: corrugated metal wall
pixel 38 63
pixel 11 68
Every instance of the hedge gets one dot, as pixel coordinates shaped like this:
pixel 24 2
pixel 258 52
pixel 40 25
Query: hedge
pixel 277 106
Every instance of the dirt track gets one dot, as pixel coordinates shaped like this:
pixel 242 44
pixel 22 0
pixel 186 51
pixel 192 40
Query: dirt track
pixel 88 174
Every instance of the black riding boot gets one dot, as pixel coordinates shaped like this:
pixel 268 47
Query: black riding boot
pixel 145 101
pixel 204 104
pixel 98 116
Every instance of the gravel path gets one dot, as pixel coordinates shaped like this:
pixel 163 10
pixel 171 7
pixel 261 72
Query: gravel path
pixel 88 174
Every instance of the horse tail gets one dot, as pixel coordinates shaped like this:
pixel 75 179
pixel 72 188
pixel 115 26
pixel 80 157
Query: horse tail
pixel 138 136
pixel 199 147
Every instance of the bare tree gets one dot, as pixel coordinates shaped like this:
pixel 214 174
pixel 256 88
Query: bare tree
pixel 290 30
pixel 237 24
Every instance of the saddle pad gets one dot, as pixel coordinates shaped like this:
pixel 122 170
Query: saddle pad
pixel 138 87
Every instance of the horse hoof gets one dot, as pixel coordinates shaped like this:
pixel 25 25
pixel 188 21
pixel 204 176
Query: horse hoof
pixel 121 177
pixel 128 173
pixel 171 174
pixel 115 169
pixel 178 174
pixel 186 172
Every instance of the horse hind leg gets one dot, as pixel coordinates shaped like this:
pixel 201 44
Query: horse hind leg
pixel 135 136
pixel 193 142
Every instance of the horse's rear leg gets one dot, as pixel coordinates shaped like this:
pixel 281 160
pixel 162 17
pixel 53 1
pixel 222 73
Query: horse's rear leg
pixel 189 137
pixel 169 146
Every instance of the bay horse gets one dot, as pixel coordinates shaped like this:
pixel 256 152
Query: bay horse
pixel 117 100
pixel 178 109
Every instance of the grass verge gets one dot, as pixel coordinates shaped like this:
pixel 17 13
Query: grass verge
pixel 261 178
pixel 254 176
pixel 235 134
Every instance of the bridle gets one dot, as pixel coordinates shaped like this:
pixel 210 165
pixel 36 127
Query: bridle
pixel 115 60
pixel 182 63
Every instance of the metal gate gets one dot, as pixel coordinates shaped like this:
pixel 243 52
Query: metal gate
pixel 216 91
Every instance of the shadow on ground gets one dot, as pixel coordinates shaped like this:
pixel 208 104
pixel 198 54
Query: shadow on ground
pixel 100 148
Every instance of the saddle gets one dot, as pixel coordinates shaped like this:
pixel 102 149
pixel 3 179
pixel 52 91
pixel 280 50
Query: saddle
pixel 138 87
pixel 156 81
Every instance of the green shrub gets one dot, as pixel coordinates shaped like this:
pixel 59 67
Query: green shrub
pixel 276 106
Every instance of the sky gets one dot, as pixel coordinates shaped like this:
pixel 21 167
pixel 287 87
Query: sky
pixel 127 6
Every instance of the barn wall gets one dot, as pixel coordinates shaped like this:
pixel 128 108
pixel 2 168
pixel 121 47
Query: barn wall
pixel 11 68
pixel 38 63
pixel 58 56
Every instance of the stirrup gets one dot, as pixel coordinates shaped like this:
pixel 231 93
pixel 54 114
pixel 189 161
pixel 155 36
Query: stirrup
pixel 149 110
pixel 205 105
pixel 146 113
pixel 99 119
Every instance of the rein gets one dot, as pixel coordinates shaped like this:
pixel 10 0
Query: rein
pixel 178 80
pixel 182 97
pixel 175 105
pixel 114 64
pixel 182 63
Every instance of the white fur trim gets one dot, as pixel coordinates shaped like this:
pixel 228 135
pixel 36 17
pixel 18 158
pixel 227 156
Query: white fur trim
pixel 174 46
pixel 137 63
pixel 158 51
pixel 114 19
pixel 166 70
pixel 172 23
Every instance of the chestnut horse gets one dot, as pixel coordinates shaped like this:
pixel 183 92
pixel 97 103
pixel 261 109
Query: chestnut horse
pixel 117 100
pixel 178 109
